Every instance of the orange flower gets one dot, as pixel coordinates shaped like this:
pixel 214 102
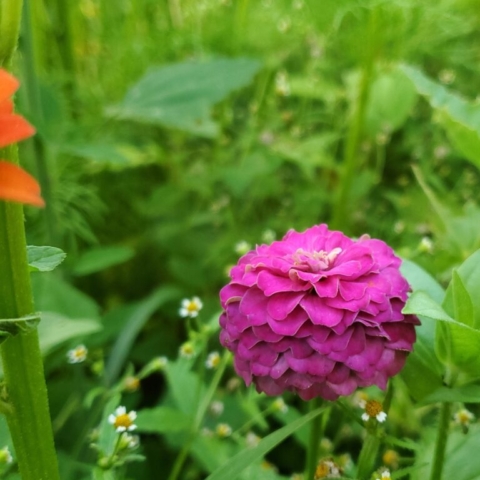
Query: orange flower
pixel 15 184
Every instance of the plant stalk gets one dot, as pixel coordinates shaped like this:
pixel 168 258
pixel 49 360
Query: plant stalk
pixel 340 215
pixel 441 442
pixel 315 437
pixel 368 456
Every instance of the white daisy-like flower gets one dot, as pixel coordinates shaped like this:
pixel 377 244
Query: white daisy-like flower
pixel 223 430
pixel 242 247
pixel 5 456
pixel 187 350
pixel 190 307
pixel 280 405
pixel 213 360
pixel 123 421
pixel 77 354
pixel 374 409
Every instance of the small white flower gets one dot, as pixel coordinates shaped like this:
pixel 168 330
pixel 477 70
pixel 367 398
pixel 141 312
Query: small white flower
pixel 282 85
pixel 129 441
pixel 190 307
pixel 213 360
pixel 280 405
pixel 223 430
pixel 242 247
pixel 187 350
pixel 463 417
pixel 426 245
pixel 160 363
pixel 252 439
pixel 268 236
pixel 374 409
pixel 77 354
pixel 217 407
pixel 123 421
pixel 385 475
pixel 5 456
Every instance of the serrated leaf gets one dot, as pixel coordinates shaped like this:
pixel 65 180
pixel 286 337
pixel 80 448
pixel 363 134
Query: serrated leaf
pixel 181 95
pixel 44 259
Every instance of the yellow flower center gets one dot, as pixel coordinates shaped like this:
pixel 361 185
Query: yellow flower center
pixel 373 408
pixel 123 421
pixel 322 470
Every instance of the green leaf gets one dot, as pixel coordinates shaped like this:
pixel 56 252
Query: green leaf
pixel 137 319
pixel 462 302
pixel 108 436
pixel 56 329
pixel 162 420
pixel 463 394
pixel 460 117
pixel 14 326
pixel 391 98
pixel 181 95
pixel 423 371
pixel 102 258
pixel 245 458
pixel 52 294
pixel 44 259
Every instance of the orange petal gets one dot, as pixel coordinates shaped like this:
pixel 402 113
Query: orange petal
pixel 6 106
pixel 14 128
pixel 18 186
pixel 8 85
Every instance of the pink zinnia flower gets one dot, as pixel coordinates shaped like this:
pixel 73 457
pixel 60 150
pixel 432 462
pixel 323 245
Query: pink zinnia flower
pixel 317 313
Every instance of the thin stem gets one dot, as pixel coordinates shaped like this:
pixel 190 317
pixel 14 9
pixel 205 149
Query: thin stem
pixel 341 207
pixel 202 409
pixel 441 443
pixel 35 108
pixel 368 456
pixel 314 443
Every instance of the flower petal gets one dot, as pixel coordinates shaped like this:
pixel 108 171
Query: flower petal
pixel 18 186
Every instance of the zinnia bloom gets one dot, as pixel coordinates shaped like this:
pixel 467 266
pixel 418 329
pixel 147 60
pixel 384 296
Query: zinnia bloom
pixel 15 184
pixel 317 313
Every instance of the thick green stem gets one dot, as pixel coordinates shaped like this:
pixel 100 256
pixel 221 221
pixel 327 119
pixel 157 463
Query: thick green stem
pixel 368 456
pixel 10 13
pixel 441 443
pixel 29 421
pixel 340 218
pixel 314 443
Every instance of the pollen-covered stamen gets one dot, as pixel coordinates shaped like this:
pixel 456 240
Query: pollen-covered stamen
pixel 314 261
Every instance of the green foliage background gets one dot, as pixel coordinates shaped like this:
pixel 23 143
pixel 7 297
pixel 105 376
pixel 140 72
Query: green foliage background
pixel 169 131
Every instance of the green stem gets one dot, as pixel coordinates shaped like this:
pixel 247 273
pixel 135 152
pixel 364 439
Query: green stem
pixel 340 218
pixel 202 409
pixel 441 443
pixel 29 421
pixel 368 456
pixel 314 443
pixel 10 14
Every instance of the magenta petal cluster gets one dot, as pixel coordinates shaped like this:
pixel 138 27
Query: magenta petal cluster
pixel 317 313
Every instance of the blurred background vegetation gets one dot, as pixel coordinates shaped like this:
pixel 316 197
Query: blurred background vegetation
pixel 173 133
